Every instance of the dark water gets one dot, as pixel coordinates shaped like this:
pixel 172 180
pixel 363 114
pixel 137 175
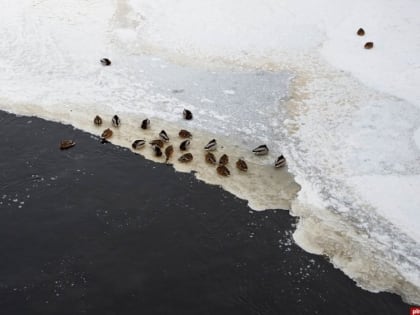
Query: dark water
pixel 98 230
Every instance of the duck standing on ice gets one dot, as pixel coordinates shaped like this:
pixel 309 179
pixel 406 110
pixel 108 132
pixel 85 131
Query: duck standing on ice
pixel 261 150
pixel 211 146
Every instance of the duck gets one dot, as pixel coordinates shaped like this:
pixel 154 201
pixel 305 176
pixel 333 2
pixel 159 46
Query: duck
pixel 138 144
pixel 223 170
pixel 97 120
pixel 211 146
pixel 107 134
pixel 157 142
pixel 145 124
pixel 164 136
pixel 184 146
pixel 241 165
pixel 369 45
pixel 261 150
pixel 67 144
pixel 187 114
pixel 157 150
pixel 361 32
pixel 105 62
pixel 185 134
pixel 210 158
pixel 280 161
pixel 116 121
pixel 185 158
pixel 224 159
pixel 168 152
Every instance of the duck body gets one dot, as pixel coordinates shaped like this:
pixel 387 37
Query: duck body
pixel 157 150
pixel 224 159
pixel 241 165
pixel 185 134
pixel 67 144
pixel 116 121
pixel 105 62
pixel 187 114
pixel 164 136
pixel 185 145
pixel 145 124
pixel 261 150
pixel 106 134
pixel 97 120
pixel 280 161
pixel 185 158
pixel 223 171
pixel 211 146
pixel 138 144
pixel 157 142
pixel 210 158
pixel 369 45
pixel 361 32
pixel 168 152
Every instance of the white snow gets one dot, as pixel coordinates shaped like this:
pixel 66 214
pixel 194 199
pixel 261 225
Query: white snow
pixel 350 128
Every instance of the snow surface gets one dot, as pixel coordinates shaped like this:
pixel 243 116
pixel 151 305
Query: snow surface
pixel 349 127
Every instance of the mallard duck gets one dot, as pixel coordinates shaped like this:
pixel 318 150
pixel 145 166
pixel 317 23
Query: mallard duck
pixel 164 136
pixel 210 158
pixel 107 134
pixel 157 142
pixel 105 62
pixel 361 32
pixel 211 146
pixel 184 146
pixel 280 161
pixel 116 121
pixel 224 159
pixel 261 150
pixel 187 114
pixel 168 152
pixel 185 134
pixel 67 144
pixel 369 45
pixel 241 165
pixel 185 158
pixel 145 124
pixel 223 170
pixel 157 150
pixel 97 121
pixel 138 144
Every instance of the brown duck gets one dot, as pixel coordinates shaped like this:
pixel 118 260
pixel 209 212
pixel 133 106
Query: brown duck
pixel 223 170
pixel 185 158
pixel 67 144
pixel 241 165
pixel 97 121
pixel 157 150
pixel 369 45
pixel 185 134
pixel 168 152
pixel 107 134
pixel 157 142
pixel 210 158
pixel 224 159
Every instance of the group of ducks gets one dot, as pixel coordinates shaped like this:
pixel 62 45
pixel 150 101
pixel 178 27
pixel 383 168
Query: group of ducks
pixel 159 143
pixel 361 32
